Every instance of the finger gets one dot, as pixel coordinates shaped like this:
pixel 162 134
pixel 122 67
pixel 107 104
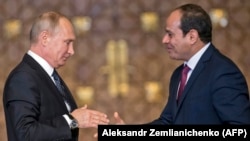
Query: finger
pixel 100 120
pixel 99 114
pixel 103 120
pixel 84 107
pixel 116 115
pixel 95 135
pixel 118 118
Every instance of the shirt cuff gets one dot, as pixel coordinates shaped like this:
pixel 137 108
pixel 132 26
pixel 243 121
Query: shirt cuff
pixel 67 119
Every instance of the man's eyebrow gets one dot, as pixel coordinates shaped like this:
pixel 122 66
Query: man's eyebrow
pixel 167 31
pixel 69 40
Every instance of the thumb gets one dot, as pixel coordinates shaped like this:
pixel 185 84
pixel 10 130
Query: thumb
pixel 95 135
pixel 118 118
pixel 84 107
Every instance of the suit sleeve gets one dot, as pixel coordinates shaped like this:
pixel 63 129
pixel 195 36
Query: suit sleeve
pixel 23 106
pixel 167 114
pixel 230 96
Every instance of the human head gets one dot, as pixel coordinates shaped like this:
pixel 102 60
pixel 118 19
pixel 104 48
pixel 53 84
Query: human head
pixel 188 29
pixel 52 37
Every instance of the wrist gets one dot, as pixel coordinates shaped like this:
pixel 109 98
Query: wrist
pixel 73 124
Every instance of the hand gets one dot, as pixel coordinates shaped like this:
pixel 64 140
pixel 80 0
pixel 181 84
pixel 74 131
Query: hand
pixel 89 118
pixel 118 119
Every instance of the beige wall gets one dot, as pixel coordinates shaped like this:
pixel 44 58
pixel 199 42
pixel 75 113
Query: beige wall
pixel 120 19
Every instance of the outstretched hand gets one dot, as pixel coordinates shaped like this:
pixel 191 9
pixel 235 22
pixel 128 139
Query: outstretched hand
pixel 118 119
pixel 88 118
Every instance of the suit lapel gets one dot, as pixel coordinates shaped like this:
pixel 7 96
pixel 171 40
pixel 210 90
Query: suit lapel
pixel 48 81
pixel 196 72
pixel 174 89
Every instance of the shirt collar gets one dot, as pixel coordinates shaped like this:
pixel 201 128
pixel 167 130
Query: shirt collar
pixel 192 62
pixel 44 64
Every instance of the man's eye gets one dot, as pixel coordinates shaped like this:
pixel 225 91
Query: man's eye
pixel 67 42
pixel 169 34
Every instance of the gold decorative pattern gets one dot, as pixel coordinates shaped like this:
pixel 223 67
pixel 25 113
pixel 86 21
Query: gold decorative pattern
pixel 81 24
pixel 149 21
pixel 85 94
pixel 117 59
pixel 219 17
pixel 12 28
pixel 148 61
pixel 153 91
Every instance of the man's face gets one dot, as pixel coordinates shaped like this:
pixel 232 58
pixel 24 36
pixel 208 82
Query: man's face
pixel 176 43
pixel 60 44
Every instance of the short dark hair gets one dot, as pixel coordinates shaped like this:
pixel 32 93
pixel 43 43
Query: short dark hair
pixel 195 17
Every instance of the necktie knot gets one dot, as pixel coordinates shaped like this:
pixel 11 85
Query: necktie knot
pixel 55 76
pixel 58 83
pixel 185 70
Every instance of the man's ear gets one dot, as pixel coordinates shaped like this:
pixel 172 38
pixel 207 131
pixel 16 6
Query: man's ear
pixel 193 36
pixel 44 37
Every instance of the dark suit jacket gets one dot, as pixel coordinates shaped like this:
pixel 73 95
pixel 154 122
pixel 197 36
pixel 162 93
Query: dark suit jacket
pixel 216 93
pixel 34 107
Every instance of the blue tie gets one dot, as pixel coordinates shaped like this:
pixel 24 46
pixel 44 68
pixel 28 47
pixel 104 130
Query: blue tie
pixel 61 89
pixel 59 86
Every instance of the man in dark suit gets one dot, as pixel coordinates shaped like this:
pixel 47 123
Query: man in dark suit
pixel 216 92
pixel 35 109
